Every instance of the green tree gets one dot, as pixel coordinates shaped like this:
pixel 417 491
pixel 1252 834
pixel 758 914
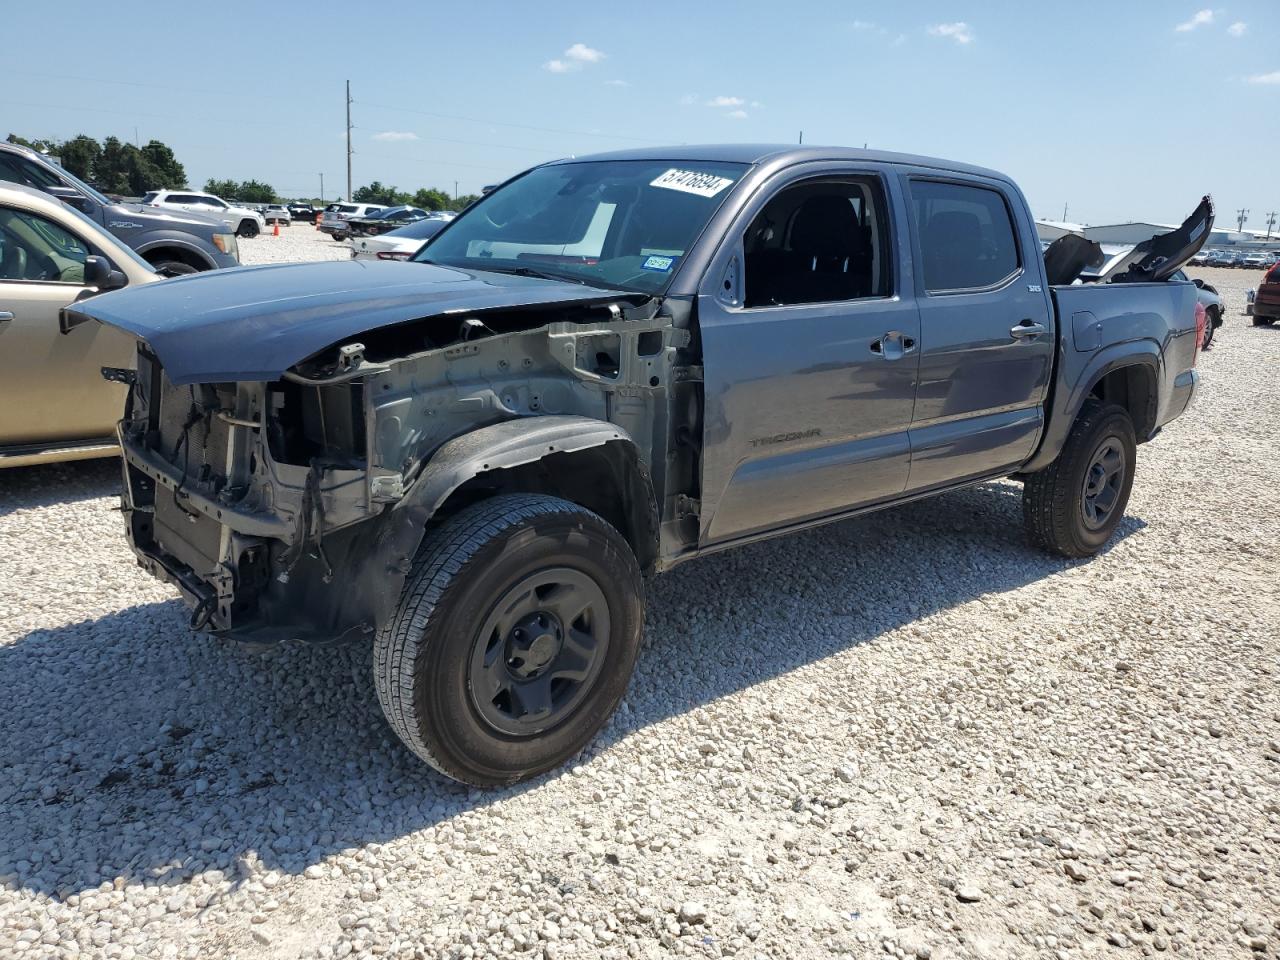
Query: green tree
pixel 254 191
pixel 43 146
pixel 429 198
pixel 379 194
pixel 464 201
pixel 113 172
pixel 226 189
pixel 81 156
pixel 165 164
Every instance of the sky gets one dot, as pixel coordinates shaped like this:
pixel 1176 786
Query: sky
pixel 1117 110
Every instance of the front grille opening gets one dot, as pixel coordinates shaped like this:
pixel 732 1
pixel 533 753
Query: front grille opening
pixel 310 423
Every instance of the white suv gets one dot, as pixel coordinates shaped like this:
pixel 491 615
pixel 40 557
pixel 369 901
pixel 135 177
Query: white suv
pixel 245 222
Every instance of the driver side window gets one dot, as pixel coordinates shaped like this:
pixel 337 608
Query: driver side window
pixel 37 250
pixel 818 242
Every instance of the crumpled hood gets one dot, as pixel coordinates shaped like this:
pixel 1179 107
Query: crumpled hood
pixel 253 323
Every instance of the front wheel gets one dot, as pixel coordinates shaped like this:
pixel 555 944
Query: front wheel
pixel 248 229
pixel 1210 325
pixel 1072 506
pixel 1263 321
pixel 514 639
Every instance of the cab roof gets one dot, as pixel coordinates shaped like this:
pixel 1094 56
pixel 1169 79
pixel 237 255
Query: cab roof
pixel 780 155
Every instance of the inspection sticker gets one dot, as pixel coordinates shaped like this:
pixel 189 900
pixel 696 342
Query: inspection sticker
pixel 691 181
pixel 661 264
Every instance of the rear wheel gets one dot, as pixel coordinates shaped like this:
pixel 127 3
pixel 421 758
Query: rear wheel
pixel 248 228
pixel 1263 321
pixel 1074 505
pixel 339 236
pixel 514 640
pixel 1210 325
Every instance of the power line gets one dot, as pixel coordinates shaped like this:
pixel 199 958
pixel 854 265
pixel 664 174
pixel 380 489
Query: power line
pixel 348 139
pixel 517 126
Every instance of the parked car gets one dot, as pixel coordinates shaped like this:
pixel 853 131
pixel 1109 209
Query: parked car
pixel 56 404
pixel 1265 308
pixel 1255 261
pixel 383 220
pixel 246 221
pixel 398 244
pixel 1200 259
pixel 171 241
pixel 277 213
pixel 606 367
pixel 304 212
pixel 1210 299
pixel 333 220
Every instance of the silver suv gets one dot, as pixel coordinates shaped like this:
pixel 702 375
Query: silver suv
pixel 334 219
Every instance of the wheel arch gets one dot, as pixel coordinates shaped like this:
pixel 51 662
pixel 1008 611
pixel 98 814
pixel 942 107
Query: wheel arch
pixel 1128 374
pixel 169 249
pixel 590 462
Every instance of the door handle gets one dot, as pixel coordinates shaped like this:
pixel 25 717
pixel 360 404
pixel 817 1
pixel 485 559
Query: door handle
pixel 6 315
pixel 1027 330
pixel 893 345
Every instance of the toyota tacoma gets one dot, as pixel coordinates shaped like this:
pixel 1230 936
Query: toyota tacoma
pixel 603 368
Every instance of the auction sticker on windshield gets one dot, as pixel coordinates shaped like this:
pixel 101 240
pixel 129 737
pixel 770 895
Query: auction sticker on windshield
pixel 691 181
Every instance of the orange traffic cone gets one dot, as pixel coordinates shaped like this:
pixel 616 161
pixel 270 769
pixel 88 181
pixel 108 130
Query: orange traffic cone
pixel 276 231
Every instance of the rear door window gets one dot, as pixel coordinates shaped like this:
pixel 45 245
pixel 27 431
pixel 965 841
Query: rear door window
pixel 967 236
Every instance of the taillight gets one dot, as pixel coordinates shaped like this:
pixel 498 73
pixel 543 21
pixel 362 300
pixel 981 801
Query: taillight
pixel 1201 319
pixel 393 255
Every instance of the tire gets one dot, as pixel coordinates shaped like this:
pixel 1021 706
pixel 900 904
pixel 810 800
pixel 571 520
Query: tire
pixel 248 229
pixel 456 665
pixel 339 237
pixel 174 268
pixel 1059 512
pixel 1263 321
pixel 1210 326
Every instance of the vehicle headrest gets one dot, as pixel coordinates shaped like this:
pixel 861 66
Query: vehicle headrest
pixel 826 226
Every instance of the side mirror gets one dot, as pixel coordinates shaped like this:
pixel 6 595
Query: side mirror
pixel 99 273
pixel 1198 282
pixel 70 196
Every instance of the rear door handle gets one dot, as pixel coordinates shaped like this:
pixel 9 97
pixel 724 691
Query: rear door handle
pixel 1027 330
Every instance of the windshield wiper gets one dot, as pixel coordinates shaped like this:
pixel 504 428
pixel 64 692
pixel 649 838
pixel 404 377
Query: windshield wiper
pixel 540 274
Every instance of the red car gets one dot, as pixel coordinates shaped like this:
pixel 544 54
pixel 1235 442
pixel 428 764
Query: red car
pixel 1266 302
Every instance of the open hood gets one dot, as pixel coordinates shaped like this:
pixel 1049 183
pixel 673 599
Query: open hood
pixel 1155 259
pixel 254 323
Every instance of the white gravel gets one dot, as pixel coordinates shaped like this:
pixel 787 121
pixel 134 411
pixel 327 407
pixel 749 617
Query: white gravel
pixel 906 735
pixel 300 241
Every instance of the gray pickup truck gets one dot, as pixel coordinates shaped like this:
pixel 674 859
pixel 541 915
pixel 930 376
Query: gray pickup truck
pixel 174 242
pixel 603 368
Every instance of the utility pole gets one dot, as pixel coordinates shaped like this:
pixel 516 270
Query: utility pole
pixel 801 140
pixel 348 139
pixel 322 188
pixel 455 191
pixel 1242 216
pixel 1064 213
pixel 1271 222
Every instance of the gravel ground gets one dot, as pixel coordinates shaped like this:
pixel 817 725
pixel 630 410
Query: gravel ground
pixel 904 735
pixel 301 241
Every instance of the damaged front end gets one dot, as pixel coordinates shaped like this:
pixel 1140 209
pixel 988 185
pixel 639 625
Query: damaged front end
pixel 292 508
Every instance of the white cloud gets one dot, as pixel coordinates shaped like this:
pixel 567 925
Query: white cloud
pixel 394 135
pixel 1268 78
pixel 581 53
pixel 959 31
pixel 616 83
pixel 725 102
pixel 862 25
pixel 575 58
pixel 1200 19
pixel 737 114
pixel 1238 28
pixel 757 104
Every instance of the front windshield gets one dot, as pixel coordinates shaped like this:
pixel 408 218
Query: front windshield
pixel 623 224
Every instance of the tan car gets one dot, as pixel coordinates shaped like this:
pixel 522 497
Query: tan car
pixel 55 404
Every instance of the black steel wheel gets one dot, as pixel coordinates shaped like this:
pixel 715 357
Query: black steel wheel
pixel 539 651
pixel 514 639
pixel 1073 506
